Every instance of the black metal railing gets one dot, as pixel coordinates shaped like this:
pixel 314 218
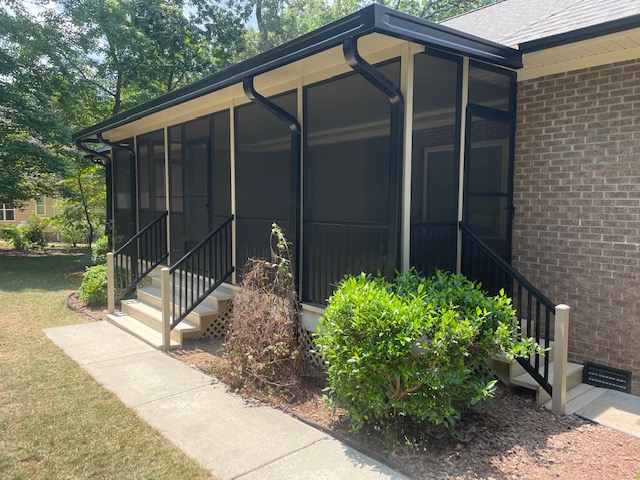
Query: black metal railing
pixel 141 254
pixel 200 271
pixel 533 309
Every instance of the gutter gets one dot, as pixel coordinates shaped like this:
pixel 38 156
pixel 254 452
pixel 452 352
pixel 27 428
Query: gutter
pixel 586 33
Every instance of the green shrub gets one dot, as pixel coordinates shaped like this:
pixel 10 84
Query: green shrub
pixel 99 251
pixel 414 349
pixel 14 236
pixel 33 231
pixel 93 290
pixel 72 234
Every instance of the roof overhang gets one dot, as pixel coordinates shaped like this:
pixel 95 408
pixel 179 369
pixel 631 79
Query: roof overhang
pixel 374 19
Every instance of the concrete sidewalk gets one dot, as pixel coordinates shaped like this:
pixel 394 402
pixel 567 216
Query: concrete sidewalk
pixel 219 430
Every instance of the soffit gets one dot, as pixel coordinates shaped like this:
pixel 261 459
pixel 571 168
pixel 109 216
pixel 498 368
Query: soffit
pixel 601 50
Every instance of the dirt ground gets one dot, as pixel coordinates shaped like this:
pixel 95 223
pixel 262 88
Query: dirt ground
pixel 509 438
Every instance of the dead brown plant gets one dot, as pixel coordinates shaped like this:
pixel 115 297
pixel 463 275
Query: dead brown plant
pixel 261 348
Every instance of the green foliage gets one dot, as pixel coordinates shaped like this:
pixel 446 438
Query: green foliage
pixel 414 349
pixel 99 251
pixel 93 290
pixel 33 231
pixel 14 236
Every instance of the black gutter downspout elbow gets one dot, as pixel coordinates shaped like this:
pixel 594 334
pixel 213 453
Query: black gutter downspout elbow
pixel 396 144
pixel 106 163
pixel 134 179
pixel 296 136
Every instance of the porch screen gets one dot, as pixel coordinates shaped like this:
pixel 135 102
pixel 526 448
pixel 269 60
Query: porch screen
pixel 346 186
pixel 434 163
pixel 124 215
pixel 151 177
pixel 263 177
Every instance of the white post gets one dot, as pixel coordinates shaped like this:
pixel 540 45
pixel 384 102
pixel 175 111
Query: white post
pixel 560 347
pixel 111 287
pixel 462 142
pixel 166 308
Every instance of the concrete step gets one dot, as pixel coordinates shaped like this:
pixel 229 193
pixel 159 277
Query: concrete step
pixel 152 317
pixel 200 316
pixel 574 378
pixel 139 330
pixel 216 299
pixel 579 397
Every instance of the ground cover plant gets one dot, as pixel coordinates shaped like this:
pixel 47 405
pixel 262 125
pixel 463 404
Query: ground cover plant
pixel 55 420
pixel 413 350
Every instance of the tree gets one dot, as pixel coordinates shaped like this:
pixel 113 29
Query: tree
pixel 34 150
pixel 81 211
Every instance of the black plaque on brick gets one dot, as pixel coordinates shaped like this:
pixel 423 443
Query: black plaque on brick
pixel 606 377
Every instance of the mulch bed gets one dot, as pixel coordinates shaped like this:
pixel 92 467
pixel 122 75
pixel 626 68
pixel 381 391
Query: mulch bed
pixel 509 438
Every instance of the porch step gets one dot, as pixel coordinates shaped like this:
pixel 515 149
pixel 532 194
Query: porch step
pixel 198 316
pixel 151 317
pixel 574 378
pixel 579 397
pixel 215 300
pixel 139 330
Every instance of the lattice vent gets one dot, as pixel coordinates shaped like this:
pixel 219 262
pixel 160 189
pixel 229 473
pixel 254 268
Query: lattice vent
pixel 306 340
pixel 217 330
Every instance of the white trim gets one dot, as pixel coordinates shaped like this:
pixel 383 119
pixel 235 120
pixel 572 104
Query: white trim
pixel 44 206
pixel 407 77
pixel 462 143
pixel 4 210
pixel 575 64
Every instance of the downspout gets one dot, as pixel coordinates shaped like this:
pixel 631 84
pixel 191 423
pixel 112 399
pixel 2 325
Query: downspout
pixel 296 134
pixel 396 99
pixel 106 163
pixel 134 179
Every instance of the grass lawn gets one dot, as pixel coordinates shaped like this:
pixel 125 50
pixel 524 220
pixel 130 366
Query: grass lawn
pixel 55 420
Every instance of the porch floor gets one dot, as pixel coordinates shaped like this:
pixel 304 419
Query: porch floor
pixel 203 419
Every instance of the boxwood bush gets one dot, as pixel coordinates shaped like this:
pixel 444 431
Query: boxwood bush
pixel 414 349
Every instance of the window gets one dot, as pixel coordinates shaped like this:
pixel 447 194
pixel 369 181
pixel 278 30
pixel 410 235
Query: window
pixel 7 212
pixel 40 209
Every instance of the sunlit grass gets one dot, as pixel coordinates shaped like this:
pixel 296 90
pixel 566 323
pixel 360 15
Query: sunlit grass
pixel 55 420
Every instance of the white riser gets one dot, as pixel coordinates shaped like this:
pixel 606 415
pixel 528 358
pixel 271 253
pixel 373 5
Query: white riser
pixel 152 317
pixel 200 316
pixel 216 299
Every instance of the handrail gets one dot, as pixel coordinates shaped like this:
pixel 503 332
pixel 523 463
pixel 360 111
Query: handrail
pixel 495 273
pixel 200 272
pixel 508 268
pixel 146 249
pixel 141 232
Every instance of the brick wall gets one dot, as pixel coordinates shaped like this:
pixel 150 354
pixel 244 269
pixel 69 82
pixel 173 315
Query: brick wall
pixel 577 196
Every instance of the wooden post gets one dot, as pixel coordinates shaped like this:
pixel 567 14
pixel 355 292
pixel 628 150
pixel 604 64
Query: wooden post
pixel 166 308
pixel 560 346
pixel 111 287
